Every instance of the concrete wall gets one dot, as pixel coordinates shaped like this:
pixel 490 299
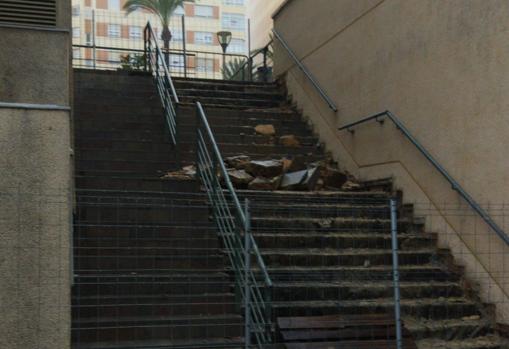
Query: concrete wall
pixel 443 68
pixel 35 229
pixel 35 185
pixel 32 66
pixel 260 14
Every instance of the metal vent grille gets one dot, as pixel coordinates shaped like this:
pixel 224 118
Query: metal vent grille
pixel 28 12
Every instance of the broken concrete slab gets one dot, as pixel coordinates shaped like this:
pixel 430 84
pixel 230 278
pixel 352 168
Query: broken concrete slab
pixel 289 141
pixel 312 176
pixel 238 162
pixel 349 185
pixel 265 168
pixel 186 173
pixel 287 163
pixel 262 183
pixel 298 163
pixel 292 180
pixel 332 178
pixel 240 178
pixel 266 130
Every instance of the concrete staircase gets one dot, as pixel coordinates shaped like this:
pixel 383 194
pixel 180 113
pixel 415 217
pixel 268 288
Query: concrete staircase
pixel 150 270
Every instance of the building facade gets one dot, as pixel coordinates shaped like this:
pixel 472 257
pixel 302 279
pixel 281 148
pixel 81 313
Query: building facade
pixel 103 34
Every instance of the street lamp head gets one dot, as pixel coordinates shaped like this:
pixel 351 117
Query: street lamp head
pixel 224 38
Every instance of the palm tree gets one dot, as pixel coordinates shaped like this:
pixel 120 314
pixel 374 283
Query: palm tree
pixel 163 9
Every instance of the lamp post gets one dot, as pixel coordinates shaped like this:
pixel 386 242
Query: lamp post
pixel 224 38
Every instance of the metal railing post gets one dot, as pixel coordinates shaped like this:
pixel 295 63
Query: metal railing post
pixel 184 44
pixel 395 272
pixel 93 39
pixel 247 272
pixel 145 43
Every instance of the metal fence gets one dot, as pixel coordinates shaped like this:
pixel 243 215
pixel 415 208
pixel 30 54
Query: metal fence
pixel 115 41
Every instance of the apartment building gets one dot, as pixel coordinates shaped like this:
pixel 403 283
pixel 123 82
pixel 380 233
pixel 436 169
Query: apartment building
pixel 103 34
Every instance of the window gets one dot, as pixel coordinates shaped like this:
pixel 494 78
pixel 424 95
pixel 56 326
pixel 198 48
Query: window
pixel 237 46
pixel 114 57
pixel 203 38
pixel 233 21
pixel 76 32
pixel 76 53
pixel 76 10
pixel 176 61
pixel 135 32
pixel 114 30
pixel 204 65
pixel 176 35
pixel 233 2
pixel 89 39
pixel 203 11
pixel 114 5
pixel 179 11
pixel 87 13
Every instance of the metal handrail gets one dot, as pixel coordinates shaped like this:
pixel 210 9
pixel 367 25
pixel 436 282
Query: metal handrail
pixel 306 72
pixel 156 62
pixel 250 59
pixel 455 185
pixel 234 228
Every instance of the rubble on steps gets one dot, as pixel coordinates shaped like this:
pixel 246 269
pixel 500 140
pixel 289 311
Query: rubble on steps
pixel 265 130
pixel 277 174
pixel 289 141
pixel 287 174
pixel 186 173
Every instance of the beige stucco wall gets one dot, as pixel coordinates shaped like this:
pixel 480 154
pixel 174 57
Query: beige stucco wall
pixel 35 184
pixel 260 13
pixel 35 229
pixel 443 68
pixel 31 66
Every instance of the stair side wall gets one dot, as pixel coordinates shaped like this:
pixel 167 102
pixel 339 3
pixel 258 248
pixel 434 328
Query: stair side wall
pixel 438 66
pixel 35 184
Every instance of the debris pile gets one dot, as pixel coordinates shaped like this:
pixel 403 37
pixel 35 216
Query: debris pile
pixel 286 174
pixel 277 174
pixel 186 173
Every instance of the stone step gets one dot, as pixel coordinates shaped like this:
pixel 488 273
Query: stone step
pixel 210 343
pixel 188 116
pixel 429 272
pixel 134 284
pixel 280 197
pixel 96 211
pixel 131 168
pixel 135 183
pixel 428 308
pixel 141 262
pixel 343 240
pixel 484 342
pixel 231 102
pixel 345 257
pixel 111 138
pixel 449 329
pixel 160 168
pixel 224 85
pixel 297 224
pixel 153 305
pixel 186 150
pixel 355 210
pixel 190 91
pixel 158 129
pixel 363 290
pixel 156 327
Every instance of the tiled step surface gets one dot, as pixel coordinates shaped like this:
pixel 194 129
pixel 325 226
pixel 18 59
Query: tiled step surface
pixel 151 269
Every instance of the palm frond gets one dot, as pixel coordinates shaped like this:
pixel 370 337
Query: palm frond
pixel 162 8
